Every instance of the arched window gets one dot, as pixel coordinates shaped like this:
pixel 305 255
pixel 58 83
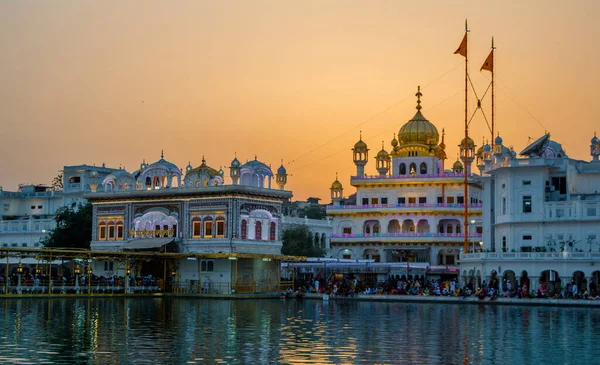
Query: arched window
pixel 148 181
pixel 449 229
pixel 272 231
pixel 210 266
pixel 458 228
pixel 208 227
pixel 316 241
pixel 323 240
pixel 120 230
pixel 220 227
pixel 196 227
pixel 258 231
pixel 413 168
pixel 423 168
pixel 376 228
pixel 102 231
pixel 244 229
pixel 111 230
pixel 402 169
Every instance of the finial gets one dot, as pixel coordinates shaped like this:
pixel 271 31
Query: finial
pixel 466 27
pixel 162 154
pixel 336 177
pixel 594 133
pixel 360 138
pixel 418 95
pixel 498 134
pixel 203 160
pixel 493 43
pixel 255 157
pixel 282 162
pixel 382 145
pixel 235 154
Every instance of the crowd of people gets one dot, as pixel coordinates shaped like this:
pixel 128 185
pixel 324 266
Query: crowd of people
pixel 351 285
pixel 40 283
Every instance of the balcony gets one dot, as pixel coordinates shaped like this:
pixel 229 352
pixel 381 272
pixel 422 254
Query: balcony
pixel 404 237
pixel 529 256
pixel 378 207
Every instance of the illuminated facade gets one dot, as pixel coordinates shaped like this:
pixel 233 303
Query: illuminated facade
pixel 155 209
pixel 412 210
pixel 541 216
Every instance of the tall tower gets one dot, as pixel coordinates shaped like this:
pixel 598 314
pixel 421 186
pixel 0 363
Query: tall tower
pixel 234 171
pixel 361 155
pixel 595 148
pixel 281 176
pixel 467 153
pixel 337 191
pixel 383 161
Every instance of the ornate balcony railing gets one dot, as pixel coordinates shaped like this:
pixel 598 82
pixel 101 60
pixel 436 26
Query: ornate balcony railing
pixel 415 176
pixel 416 205
pixel 368 235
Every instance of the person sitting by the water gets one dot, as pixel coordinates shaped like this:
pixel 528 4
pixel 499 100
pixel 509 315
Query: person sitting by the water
pixel 426 292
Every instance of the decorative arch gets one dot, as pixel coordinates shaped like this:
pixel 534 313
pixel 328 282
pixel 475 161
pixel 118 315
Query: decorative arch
pixel 394 226
pixel 258 231
pixel 413 168
pixel 402 170
pixel 272 231
pixel 244 229
pixel 220 227
pixel 196 227
pixel 423 168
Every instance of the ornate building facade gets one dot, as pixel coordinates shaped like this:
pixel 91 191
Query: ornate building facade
pixel 153 208
pixel 541 217
pixel 412 210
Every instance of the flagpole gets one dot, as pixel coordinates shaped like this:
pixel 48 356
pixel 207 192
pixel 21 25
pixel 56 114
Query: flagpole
pixel 493 48
pixel 465 145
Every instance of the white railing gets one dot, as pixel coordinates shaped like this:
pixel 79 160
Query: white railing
pixel 535 256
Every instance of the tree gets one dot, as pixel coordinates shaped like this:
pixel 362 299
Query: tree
pixel 298 241
pixel 57 182
pixel 314 211
pixel 73 228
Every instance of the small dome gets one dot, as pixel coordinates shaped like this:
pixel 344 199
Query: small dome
pixel 235 162
pixel 394 141
pixel 281 170
pixel 595 140
pixel 221 172
pixel 360 145
pixel 189 167
pixel 457 165
pixel 336 185
pixel 419 130
pixel 470 142
pixel 487 148
pixel 143 165
pixel 203 168
pixel 498 140
pixel 382 154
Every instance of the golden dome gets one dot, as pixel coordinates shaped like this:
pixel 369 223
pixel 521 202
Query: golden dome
pixel 360 145
pixel 382 155
pixel 336 185
pixel 419 130
pixel 470 142
pixel 457 165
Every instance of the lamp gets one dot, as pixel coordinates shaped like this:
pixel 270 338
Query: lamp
pixel 89 270
pixel 19 268
pixel 76 269
pixel 38 269
pixel 127 270
pixel 173 272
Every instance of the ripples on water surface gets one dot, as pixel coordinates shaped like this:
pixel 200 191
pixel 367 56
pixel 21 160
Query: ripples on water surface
pixel 196 331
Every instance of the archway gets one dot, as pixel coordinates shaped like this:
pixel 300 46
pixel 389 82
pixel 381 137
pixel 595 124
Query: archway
pixel 580 280
pixel 408 226
pixel 423 226
pixel 509 280
pixel 549 280
pixel 394 226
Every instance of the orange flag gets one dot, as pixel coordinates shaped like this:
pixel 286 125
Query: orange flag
pixel 462 49
pixel 488 65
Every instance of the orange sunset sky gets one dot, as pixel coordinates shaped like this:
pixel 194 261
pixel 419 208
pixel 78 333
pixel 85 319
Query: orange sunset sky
pixel 117 81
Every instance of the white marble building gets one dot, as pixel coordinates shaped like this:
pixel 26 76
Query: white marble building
pixel 27 215
pixel 412 210
pixel 541 217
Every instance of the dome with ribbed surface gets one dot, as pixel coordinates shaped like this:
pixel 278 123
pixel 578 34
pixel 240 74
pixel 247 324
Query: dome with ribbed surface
pixel 336 185
pixel 419 131
pixel 457 165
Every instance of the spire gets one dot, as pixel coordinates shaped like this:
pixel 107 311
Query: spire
pixel 418 95
pixel 162 154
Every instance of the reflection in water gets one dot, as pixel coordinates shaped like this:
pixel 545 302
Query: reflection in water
pixel 111 331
